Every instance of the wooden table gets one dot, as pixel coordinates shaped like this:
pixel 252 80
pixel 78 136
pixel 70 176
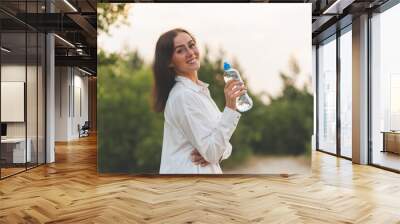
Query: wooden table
pixel 391 141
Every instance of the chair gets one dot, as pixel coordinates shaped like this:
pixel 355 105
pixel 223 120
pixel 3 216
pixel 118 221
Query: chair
pixel 84 130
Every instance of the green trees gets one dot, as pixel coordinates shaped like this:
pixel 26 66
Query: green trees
pixel 130 133
pixel 287 121
pixel 109 14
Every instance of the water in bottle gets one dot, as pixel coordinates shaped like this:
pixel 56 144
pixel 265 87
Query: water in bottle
pixel 243 102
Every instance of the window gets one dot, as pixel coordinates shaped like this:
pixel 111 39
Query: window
pixel 346 93
pixel 385 89
pixel 327 96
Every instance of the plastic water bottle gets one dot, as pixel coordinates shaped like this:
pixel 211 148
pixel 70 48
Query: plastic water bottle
pixel 243 102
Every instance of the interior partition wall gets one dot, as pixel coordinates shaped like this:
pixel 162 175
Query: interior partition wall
pixel 12 107
pixel 22 77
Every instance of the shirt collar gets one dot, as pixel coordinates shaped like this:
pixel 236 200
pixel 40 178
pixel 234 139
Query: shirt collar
pixel 189 83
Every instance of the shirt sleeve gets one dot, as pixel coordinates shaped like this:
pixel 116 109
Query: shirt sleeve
pixel 211 140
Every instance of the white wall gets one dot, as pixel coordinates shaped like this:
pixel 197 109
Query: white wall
pixel 12 73
pixel 13 94
pixel 71 93
pixel 62 80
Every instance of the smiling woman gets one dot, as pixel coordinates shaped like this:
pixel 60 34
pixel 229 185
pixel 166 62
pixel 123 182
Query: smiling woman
pixel 196 133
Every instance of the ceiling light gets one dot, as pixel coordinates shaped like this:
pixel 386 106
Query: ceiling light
pixel 79 51
pixel 338 6
pixel 86 72
pixel 70 5
pixel 64 40
pixel 5 50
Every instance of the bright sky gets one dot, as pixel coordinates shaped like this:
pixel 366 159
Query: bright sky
pixel 261 36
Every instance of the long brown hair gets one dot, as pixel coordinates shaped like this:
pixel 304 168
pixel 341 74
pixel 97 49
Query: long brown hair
pixel 164 75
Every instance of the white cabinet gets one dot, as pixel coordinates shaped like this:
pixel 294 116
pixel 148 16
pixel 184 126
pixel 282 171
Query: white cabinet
pixel 18 149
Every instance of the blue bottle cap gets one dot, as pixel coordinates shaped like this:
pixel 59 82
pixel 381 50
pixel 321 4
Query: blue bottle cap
pixel 226 66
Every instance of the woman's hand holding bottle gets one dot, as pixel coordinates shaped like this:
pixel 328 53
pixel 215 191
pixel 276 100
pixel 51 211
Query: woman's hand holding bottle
pixel 233 89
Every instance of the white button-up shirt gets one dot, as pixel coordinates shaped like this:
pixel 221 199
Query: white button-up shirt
pixel 193 121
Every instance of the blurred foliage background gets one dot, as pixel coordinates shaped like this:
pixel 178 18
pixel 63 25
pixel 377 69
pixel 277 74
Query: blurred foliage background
pixel 130 133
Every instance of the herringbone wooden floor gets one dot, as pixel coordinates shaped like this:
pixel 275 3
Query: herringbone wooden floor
pixel 71 191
